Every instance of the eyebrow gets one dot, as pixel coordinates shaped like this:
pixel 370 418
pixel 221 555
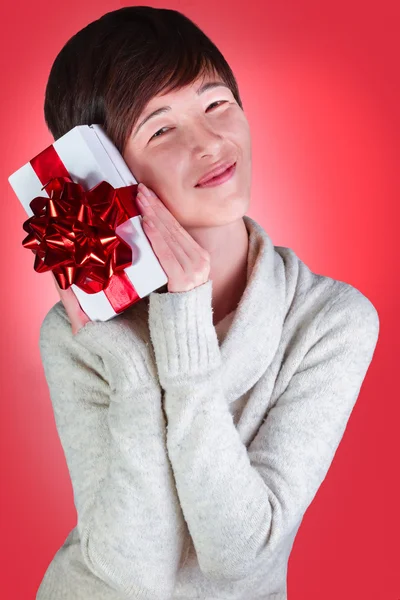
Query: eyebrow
pixel 204 88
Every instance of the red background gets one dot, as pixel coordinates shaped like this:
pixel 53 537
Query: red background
pixel 320 86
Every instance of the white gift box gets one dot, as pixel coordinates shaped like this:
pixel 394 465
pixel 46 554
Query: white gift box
pixel 90 157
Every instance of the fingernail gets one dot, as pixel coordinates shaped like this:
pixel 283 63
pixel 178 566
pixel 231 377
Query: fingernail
pixel 142 199
pixel 145 190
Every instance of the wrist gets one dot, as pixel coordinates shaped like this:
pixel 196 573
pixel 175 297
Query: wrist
pixel 183 335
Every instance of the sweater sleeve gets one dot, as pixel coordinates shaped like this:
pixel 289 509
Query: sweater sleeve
pixel 241 504
pixel 110 422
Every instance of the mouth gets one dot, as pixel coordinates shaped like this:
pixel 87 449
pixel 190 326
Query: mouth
pixel 221 178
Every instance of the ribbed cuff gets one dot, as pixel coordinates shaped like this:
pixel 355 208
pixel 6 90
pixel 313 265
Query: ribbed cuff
pixel 184 338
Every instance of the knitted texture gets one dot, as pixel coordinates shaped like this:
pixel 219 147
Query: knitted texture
pixel 174 499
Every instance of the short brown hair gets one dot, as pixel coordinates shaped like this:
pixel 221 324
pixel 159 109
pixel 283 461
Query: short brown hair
pixel 108 71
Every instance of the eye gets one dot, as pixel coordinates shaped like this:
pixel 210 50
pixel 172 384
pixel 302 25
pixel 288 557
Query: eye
pixel 160 130
pixel 217 102
pixel 155 135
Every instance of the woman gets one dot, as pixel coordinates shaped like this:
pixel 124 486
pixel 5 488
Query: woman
pixel 199 424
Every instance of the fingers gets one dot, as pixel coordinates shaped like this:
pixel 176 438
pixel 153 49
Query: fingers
pixel 179 279
pixel 169 226
pixel 173 261
pixel 165 241
pixel 186 264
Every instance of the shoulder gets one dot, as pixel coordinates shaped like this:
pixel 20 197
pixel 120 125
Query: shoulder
pixel 59 347
pixel 55 325
pixel 350 316
pixel 323 301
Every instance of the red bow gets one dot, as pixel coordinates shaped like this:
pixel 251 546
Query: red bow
pixel 73 234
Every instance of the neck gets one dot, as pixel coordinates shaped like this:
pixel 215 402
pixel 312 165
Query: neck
pixel 228 248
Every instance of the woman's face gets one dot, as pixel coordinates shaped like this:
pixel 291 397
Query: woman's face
pixel 173 150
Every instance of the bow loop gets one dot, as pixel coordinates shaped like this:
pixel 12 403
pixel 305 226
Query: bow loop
pixel 72 233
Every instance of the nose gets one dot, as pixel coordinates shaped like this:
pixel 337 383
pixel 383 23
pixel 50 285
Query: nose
pixel 205 139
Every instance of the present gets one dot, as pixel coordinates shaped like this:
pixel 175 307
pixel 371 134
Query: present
pixel 84 224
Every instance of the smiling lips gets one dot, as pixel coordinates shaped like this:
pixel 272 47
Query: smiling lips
pixel 220 178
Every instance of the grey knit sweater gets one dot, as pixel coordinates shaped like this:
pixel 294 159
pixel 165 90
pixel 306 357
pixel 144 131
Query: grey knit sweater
pixel 175 497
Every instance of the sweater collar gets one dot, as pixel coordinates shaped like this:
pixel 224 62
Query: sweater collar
pixel 255 331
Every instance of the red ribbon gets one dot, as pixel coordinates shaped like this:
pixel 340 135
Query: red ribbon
pixel 72 233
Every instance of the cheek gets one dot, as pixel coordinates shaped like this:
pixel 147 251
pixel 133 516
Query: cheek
pixel 242 135
pixel 166 167
pixel 153 165
pixel 135 166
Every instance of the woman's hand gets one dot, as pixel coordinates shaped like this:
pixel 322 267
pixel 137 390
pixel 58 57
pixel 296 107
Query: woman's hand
pixel 74 311
pixel 186 264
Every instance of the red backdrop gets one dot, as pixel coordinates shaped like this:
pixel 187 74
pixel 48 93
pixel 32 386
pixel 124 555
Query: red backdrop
pixel 320 86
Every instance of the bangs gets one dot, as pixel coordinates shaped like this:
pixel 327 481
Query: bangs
pixel 185 68
pixel 110 70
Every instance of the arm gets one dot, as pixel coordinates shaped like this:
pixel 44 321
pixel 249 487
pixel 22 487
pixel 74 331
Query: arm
pixel 239 504
pixel 111 426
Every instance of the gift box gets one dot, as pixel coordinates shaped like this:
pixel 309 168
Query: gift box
pixel 84 224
